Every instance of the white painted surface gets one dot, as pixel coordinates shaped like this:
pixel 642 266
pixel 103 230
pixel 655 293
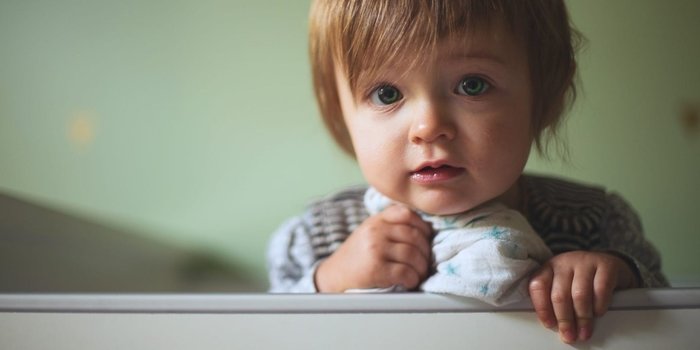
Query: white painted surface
pixel 653 319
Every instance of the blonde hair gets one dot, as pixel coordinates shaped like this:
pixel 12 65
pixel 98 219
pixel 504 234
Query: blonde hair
pixel 363 36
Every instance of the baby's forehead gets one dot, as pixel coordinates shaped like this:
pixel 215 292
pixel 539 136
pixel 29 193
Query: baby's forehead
pixel 495 44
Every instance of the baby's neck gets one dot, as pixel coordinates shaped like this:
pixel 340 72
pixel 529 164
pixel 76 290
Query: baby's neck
pixel 513 197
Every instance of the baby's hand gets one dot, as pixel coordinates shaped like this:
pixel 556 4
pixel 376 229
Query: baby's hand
pixel 389 248
pixel 574 287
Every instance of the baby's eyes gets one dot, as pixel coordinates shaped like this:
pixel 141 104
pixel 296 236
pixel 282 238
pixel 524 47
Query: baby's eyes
pixel 386 95
pixel 472 86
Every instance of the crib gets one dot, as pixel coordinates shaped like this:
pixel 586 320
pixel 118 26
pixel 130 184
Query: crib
pixel 638 319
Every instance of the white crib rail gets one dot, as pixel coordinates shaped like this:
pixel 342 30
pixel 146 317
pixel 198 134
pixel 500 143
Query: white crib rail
pixel 638 319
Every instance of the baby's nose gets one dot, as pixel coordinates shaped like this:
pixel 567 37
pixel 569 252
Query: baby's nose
pixel 431 124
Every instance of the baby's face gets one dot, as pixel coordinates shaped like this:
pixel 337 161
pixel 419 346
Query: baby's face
pixel 447 135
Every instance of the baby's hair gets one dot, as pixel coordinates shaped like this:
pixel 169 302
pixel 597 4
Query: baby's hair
pixel 362 37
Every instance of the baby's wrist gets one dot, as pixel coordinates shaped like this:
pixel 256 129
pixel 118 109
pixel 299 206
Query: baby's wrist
pixel 632 279
pixel 320 285
pixel 321 281
pixel 628 275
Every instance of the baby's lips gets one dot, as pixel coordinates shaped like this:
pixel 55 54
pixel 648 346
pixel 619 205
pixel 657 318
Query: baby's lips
pixel 429 175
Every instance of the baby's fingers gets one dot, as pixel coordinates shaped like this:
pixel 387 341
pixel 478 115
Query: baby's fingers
pixel 399 274
pixel 413 237
pixel 582 295
pixel 398 214
pixel 603 287
pixel 563 306
pixel 408 254
pixel 540 293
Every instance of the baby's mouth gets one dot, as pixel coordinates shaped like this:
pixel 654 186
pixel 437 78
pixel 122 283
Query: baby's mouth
pixel 431 174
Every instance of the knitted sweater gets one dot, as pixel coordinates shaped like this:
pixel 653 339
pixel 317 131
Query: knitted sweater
pixel 568 216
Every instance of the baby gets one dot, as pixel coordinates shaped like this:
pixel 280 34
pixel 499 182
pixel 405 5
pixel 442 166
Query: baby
pixel 440 103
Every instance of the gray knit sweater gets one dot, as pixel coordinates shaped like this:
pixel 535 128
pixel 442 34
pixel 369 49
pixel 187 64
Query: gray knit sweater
pixel 568 216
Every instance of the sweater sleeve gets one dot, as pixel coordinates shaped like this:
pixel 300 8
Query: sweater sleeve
pixel 290 259
pixel 622 235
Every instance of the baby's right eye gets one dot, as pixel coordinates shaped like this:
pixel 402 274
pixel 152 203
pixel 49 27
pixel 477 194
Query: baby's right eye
pixel 385 95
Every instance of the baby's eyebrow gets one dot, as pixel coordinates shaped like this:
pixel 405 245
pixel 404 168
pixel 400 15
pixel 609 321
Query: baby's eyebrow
pixel 485 56
pixel 365 80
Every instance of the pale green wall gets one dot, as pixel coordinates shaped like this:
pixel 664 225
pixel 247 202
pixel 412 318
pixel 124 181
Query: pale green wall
pixel 641 66
pixel 193 121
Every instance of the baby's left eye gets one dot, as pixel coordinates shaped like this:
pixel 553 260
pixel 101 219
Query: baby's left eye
pixel 472 86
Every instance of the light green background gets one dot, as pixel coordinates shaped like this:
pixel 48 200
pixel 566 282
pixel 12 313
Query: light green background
pixel 205 131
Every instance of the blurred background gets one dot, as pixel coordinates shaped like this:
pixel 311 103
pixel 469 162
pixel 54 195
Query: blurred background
pixel 155 145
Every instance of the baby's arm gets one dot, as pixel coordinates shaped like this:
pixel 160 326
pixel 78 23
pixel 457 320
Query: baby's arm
pixel 291 260
pixel 391 248
pixel 574 287
pixel 624 237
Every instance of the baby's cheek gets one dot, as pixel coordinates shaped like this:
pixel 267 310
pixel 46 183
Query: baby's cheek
pixel 371 166
pixel 376 153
